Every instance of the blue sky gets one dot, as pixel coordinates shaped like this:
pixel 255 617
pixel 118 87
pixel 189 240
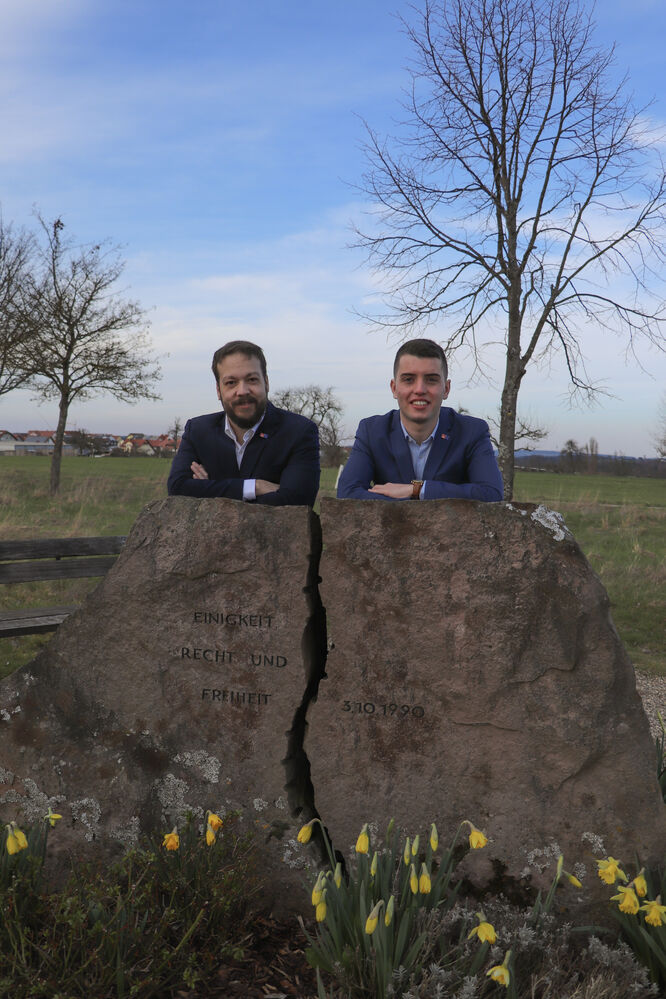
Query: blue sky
pixel 219 144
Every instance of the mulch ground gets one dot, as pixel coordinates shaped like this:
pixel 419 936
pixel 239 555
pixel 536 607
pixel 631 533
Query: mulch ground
pixel 273 967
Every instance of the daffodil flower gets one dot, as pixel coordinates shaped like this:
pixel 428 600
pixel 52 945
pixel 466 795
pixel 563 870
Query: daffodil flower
pixel 627 900
pixel 640 884
pixel 655 912
pixel 373 865
pixel 425 885
pixel 52 817
pixel 373 918
pixel 572 879
pixel 337 877
pixel 318 889
pixel 363 841
pixel 305 832
pixel 413 881
pixel 484 931
pixel 210 836
pixel 214 821
pixel 609 871
pixel 434 838
pixel 171 840
pixel 16 840
pixel 477 839
pixel 388 915
pixel 415 846
pixel 320 911
pixel 500 972
pixel 407 853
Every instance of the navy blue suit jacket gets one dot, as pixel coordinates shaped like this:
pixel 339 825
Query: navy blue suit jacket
pixel 461 463
pixel 285 449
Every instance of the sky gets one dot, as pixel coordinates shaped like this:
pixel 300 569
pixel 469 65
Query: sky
pixel 219 145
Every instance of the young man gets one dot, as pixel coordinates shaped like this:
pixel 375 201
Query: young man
pixel 250 451
pixel 424 450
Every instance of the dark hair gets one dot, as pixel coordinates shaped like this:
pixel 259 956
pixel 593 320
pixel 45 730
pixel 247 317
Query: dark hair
pixel 422 348
pixel 239 347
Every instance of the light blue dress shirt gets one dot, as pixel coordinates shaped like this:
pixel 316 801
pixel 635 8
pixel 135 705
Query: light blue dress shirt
pixel 419 453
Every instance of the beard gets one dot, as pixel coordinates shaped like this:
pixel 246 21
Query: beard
pixel 245 422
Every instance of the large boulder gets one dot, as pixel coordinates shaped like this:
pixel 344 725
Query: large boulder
pixel 474 672
pixel 178 687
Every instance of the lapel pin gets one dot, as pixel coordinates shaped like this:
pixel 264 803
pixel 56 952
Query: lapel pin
pixel 265 436
pixel 444 437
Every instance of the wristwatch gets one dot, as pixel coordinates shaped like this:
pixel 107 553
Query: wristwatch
pixel 416 488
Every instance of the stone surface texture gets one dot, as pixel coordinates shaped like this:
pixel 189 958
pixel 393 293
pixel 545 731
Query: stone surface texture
pixel 176 686
pixel 474 672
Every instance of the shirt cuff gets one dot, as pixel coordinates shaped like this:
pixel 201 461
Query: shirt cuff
pixel 422 492
pixel 249 490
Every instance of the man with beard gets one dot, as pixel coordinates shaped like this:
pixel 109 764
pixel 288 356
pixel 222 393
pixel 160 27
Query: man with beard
pixel 252 451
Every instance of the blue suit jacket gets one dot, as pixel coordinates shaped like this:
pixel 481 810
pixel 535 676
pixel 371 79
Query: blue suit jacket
pixel 461 463
pixel 285 449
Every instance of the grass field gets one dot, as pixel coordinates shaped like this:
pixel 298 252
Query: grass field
pixel 620 523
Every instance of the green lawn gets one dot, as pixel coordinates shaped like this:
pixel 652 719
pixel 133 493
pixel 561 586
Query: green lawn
pixel 620 523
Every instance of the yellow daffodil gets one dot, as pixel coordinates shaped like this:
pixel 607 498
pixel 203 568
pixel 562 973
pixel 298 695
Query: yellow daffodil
pixel 20 837
pixel 640 884
pixel 424 881
pixel 655 912
pixel 560 866
pixel 337 877
pixel 477 839
pixel 407 853
pixel 627 900
pixel 318 889
pixel 171 840
pixel 373 918
pixel 373 865
pixel 572 879
pixel 52 817
pixel 609 871
pixel 16 840
pixel 500 972
pixel 388 915
pixel 305 832
pixel 434 838
pixel 210 836
pixel 415 846
pixel 484 931
pixel 320 911
pixel 413 881
pixel 363 841
pixel 214 821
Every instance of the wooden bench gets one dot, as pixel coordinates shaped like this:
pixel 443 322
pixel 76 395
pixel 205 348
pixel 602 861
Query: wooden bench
pixel 51 558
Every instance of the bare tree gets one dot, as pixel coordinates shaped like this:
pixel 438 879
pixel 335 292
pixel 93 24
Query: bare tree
pixel 16 251
pixel 84 338
pixel 527 434
pixel 175 431
pixel 524 192
pixel 322 407
pixel 660 437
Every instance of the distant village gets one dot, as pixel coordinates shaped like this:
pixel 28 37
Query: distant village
pixel 78 442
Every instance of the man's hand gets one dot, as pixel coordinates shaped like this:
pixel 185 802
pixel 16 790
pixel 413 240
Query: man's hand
pixel 396 490
pixel 263 486
pixel 198 471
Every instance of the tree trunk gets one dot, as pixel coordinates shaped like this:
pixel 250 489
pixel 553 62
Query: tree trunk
pixel 57 446
pixel 513 376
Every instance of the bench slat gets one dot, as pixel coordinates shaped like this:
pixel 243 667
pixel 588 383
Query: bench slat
pixel 33 621
pixel 24 572
pixel 59 547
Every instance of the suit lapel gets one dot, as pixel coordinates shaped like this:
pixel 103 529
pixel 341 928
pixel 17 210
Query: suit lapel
pixel 444 435
pixel 400 451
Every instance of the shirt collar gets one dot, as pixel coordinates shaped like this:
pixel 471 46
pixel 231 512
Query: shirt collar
pixel 408 436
